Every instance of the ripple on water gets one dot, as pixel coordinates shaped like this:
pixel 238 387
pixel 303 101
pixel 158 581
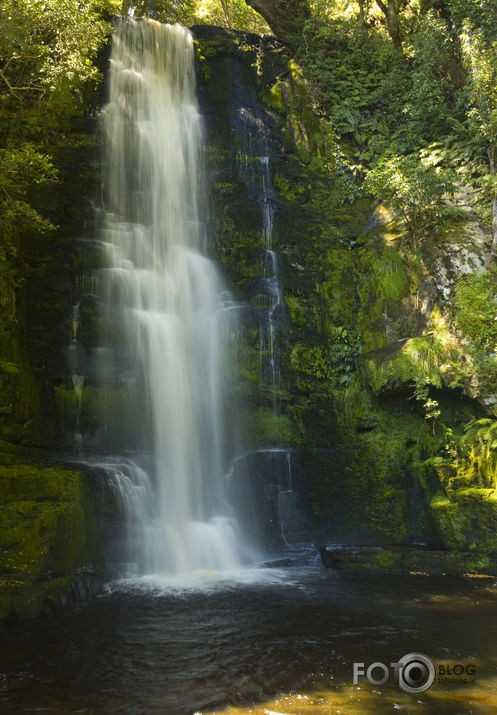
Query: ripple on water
pixel 281 641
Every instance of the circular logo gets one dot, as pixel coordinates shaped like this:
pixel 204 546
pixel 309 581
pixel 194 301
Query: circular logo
pixel 416 673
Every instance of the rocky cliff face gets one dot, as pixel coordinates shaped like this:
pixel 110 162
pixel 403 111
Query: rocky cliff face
pixel 51 551
pixel 355 351
pixel 378 380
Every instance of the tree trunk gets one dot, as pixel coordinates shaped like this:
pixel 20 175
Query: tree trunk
pixel 286 18
pixel 391 12
pixel 362 15
pixel 226 11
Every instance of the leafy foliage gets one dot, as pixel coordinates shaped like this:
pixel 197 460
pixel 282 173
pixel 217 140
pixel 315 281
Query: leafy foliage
pixel 47 53
pixel 19 170
pixel 415 189
pixel 476 318
pixel 231 14
pixel 333 363
pixel 47 48
pixel 181 11
pixel 435 78
pixel 476 308
pixel 479 49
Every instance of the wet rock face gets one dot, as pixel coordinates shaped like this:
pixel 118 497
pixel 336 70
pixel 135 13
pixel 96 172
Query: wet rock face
pixel 288 497
pixel 268 494
pixel 46 290
pixel 267 183
pixel 347 281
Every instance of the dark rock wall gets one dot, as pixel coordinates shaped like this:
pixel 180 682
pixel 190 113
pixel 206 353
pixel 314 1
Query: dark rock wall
pixel 51 550
pixel 249 98
pixel 371 389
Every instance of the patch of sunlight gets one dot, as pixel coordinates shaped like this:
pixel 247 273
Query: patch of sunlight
pixel 441 328
pixel 481 697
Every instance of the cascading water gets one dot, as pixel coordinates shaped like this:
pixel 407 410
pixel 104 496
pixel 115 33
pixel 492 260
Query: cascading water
pixel 162 301
pixel 271 280
pixel 254 163
pixel 78 366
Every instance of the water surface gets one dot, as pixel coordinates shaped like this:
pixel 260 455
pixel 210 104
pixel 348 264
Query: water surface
pixel 259 641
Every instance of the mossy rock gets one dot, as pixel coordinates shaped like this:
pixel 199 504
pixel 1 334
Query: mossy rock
pixel 266 429
pixel 49 537
pixel 477 458
pixel 403 363
pixel 416 562
pixel 467 519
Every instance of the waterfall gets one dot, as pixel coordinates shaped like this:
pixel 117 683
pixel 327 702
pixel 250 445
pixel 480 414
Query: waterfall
pixel 254 166
pixel 270 281
pixel 162 297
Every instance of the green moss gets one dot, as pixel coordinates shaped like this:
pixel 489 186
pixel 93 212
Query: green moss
pixel 418 562
pixel 49 484
pixel 387 559
pixel 381 469
pixel 266 428
pixel 29 600
pixel 477 454
pixel 448 523
pixel 48 533
pixel 467 520
pixel 19 399
pixel 113 407
pixel 369 492
pixel 274 98
pixel 213 47
pixel 385 282
pixel 465 504
pixel 414 360
pixel 288 190
pixel 297 309
pixel 475 302
pixel 390 275
pixel 239 251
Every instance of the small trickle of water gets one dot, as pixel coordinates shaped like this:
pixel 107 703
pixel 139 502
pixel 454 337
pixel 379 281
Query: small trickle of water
pixel 289 469
pixel 269 346
pixel 254 167
pixel 78 366
pixel 75 320
pixel 267 203
pixel 78 382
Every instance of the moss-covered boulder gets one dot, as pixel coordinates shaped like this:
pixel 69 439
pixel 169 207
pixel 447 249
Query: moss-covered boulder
pixel 50 548
pixel 465 505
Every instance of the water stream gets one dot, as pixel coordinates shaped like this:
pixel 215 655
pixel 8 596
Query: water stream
pixel 163 299
pixel 255 170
